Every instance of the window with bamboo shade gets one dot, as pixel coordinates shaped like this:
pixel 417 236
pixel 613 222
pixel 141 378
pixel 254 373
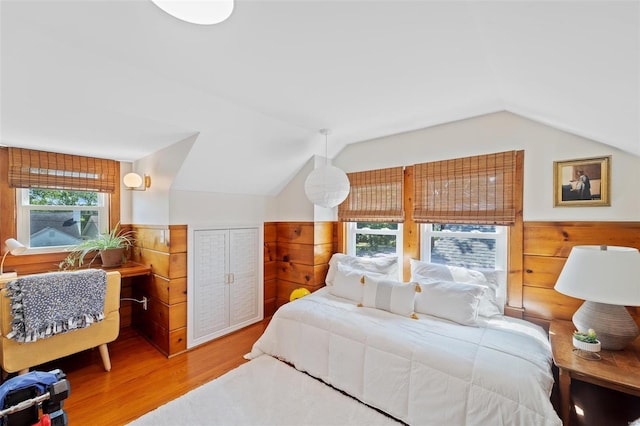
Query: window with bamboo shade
pixel 470 190
pixel 48 170
pixel 375 196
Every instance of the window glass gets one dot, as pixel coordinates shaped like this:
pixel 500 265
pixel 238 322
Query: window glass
pixel 374 239
pixel 50 219
pixel 471 246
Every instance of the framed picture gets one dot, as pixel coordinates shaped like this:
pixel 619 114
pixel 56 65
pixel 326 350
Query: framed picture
pixel 581 183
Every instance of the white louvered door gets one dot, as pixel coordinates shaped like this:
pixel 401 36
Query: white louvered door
pixel 211 292
pixel 225 293
pixel 243 297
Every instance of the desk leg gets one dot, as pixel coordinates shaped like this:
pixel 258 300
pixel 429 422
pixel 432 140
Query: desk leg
pixel 565 395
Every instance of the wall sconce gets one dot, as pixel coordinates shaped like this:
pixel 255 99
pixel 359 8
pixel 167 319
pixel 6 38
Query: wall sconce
pixel 134 182
pixel 14 247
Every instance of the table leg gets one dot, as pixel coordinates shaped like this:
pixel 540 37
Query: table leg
pixel 565 395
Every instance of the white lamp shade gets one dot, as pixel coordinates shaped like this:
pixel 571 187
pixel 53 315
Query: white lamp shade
pixel 202 12
pixel 132 180
pixel 14 246
pixel 327 186
pixel 609 276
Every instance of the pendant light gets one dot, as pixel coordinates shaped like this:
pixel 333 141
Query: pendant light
pixel 326 186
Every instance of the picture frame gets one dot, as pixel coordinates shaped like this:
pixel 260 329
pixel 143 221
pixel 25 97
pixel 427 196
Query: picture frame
pixel 582 182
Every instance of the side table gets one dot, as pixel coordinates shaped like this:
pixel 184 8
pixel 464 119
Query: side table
pixel 617 370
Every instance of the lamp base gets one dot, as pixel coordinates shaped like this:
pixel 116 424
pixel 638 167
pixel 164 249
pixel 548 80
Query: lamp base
pixel 613 324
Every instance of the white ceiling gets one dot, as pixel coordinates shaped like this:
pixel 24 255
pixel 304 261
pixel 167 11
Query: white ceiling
pixel 122 79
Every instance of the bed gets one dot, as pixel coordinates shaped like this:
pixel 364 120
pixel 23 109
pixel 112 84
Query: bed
pixel 421 363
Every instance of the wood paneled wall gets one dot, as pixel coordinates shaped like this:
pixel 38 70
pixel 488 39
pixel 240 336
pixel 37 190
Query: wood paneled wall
pixel 296 255
pixel 538 251
pixel 270 268
pixel 546 246
pixel 164 249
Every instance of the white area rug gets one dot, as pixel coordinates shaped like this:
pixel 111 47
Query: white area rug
pixel 264 391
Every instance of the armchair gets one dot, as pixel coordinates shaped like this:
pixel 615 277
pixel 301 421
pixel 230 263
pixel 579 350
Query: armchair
pixel 16 356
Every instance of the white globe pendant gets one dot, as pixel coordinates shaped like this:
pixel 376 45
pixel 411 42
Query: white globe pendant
pixel 327 186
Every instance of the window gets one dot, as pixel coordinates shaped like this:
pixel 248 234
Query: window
pixel 464 206
pixel 374 239
pixel 471 246
pixel 50 220
pixel 61 199
pixel 374 213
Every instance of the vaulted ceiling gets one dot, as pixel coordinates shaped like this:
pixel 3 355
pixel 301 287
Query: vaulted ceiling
pixel 122 79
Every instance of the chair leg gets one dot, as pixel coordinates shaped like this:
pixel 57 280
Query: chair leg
pixel 104 354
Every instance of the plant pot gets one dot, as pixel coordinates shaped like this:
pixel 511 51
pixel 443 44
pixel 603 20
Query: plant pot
pixel 589 347
pixel 112 258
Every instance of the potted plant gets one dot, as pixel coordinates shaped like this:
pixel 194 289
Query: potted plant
pixel 586 341
pixel 110 246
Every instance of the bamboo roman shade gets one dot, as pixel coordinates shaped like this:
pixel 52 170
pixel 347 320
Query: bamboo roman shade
pixel 40 169
pixel 375 196
pixel 470 190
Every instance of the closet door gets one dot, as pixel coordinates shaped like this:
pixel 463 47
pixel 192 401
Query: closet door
pixel 211 291
pixel 243 265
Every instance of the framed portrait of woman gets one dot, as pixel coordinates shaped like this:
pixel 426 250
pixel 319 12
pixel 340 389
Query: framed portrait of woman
pixel 582 182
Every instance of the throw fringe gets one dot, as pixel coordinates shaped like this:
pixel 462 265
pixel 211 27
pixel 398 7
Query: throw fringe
pixel 45 322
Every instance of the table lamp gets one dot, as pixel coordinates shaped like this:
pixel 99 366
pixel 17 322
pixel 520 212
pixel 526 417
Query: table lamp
pixel 14 247
pixel 607 278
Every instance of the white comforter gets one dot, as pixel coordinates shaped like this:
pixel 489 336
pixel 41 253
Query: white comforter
pixel 423 372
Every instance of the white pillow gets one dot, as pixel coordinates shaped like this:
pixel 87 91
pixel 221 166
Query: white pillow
pixel 450 300
pixel 386 265
pixel 438 271
pixel 423 272
pixel 348 283
pixel 389 295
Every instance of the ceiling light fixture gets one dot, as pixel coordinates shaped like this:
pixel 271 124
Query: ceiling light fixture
pixel 326 186
pixel 201 12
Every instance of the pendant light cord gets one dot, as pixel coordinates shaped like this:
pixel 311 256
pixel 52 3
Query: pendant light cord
pixel 325 132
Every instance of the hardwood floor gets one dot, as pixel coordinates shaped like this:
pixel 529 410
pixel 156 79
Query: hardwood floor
pixel 141 378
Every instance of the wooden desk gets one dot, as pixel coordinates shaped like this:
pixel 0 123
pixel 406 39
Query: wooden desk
pixel 618 370
pixel 131 269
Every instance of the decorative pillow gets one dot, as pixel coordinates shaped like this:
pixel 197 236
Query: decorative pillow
pixel 389 295
pixel 450 300
pixel 348 283
pixel 423 272
pixel 387 265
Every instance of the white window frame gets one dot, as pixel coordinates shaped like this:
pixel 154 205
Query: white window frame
pixel 500 237
pixel 23 212
pixel 353 231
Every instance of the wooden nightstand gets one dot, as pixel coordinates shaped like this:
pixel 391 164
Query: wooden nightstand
pixel 618 370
